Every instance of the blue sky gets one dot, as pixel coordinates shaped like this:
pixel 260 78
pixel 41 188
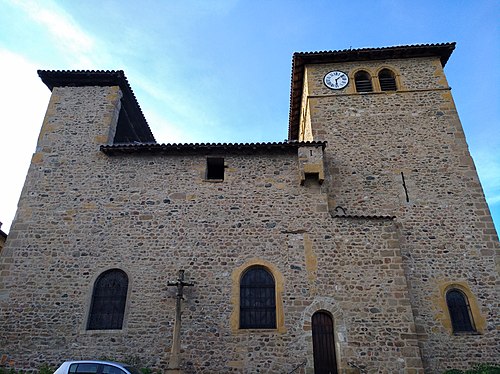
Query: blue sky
pixel 219 71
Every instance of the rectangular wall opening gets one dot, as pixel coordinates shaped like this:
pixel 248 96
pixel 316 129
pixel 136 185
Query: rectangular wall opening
pixel 215 168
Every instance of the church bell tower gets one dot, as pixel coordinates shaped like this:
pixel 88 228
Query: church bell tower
pixel 396 148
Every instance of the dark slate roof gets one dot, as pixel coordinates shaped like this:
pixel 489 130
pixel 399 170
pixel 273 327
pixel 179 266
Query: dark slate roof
pixel 79 78
pixel 206 148
pixel 300 59
pixel 2 233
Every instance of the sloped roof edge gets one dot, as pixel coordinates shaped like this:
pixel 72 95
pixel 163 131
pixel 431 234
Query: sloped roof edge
pixel 300 59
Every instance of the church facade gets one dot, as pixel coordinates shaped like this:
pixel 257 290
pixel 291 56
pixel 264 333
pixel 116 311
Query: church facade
pixel 363 244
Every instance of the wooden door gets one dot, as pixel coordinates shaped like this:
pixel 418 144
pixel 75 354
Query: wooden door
pixel 323 344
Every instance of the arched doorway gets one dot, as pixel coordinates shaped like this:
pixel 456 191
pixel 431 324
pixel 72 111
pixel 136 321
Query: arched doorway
pixel 325 361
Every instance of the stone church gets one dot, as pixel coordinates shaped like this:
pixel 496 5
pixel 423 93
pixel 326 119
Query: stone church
pixel 362 244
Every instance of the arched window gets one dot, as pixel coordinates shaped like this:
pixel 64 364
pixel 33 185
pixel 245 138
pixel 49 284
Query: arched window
pixel 257 299
pixel 363 81
pixel 387 80
pixel 108 301
pixel 460 314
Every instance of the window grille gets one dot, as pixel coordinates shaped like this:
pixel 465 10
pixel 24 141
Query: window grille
pixel 363 82
pixel 257 299
pixel 460 313
pixel 387 80
pixel 108 301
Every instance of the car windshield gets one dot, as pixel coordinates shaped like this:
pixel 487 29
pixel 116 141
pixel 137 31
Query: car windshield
pixel 133 370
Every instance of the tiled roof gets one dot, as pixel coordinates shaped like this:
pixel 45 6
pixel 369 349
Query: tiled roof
pixel 80 78
pixel 300 59
pixel 206 148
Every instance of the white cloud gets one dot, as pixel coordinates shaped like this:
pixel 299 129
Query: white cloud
pixel 193 116
pixel 80 50
pixel 24 100
pixel 64 31
pixel 163 130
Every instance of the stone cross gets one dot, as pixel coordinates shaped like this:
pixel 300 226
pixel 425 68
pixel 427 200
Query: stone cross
pixel 173 364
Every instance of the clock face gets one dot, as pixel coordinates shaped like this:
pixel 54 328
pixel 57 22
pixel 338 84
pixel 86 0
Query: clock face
pixel 336 80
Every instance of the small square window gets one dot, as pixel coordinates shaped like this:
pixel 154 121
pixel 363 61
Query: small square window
pixel 215 168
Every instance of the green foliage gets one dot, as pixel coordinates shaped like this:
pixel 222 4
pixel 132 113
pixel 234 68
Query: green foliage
pixel 9 371
pixel 46 369
pixel 477 369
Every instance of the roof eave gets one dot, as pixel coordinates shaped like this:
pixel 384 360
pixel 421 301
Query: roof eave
pixel 206 148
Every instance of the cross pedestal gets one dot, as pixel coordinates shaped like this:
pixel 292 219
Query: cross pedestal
pixel 174 362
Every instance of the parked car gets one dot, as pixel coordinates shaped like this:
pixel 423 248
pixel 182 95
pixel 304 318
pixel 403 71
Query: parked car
pixel 96 367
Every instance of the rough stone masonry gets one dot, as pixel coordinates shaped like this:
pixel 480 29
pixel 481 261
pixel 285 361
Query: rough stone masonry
pixel 369 215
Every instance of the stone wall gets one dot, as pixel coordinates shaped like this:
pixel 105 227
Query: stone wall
pixel 447 235
pixel 399 218
pixel 82 212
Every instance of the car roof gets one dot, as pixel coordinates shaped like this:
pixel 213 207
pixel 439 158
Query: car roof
pixel 118 364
